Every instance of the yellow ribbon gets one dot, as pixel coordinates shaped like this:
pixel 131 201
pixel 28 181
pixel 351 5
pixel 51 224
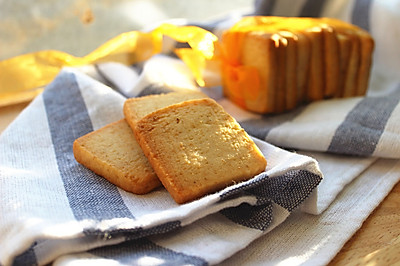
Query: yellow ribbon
pixel 23 77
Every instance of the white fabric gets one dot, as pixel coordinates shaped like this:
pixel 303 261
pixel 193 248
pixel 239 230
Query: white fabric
pixel 315 240
pixel 301 239
pixel 42 208
pixel 51 210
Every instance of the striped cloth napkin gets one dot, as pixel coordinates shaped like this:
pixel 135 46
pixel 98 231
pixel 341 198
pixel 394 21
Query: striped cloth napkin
pixel 56 211
pixel 51 205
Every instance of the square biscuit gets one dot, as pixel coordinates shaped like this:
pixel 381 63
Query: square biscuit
pixel 367 47
pixel 345 44
pixel 291 67
pixel 273 64
pixel 316 72
pixel 350 84
pixel 261 51
pixel 331 61
pixel 113 153
pixel 196 148
pixel 281 45
pixel 136 108
pixel 302 63
pixel 362 45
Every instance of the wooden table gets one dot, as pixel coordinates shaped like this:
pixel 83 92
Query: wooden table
pixel 376 243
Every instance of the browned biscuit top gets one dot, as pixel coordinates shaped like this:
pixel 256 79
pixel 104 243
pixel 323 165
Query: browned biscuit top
pixel 196 148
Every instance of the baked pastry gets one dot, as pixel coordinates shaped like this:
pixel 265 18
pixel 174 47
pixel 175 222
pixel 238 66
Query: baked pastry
pixel 136 108
pixel 196 148
pixel 113 153
pixel 273 64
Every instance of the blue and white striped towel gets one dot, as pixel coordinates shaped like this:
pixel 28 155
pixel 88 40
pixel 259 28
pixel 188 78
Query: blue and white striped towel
pixel 54 210
pixel 55 206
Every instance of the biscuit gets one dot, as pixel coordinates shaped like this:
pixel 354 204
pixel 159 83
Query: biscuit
pixel 303 61
pixel 262 98
pixel 113 153
pixel 315 87
pixel 136 108
pixel 361 59
pixel 281 63
pixel 196 148
pixel 331 61
pixel 367 47
pixel 263 58
pixel 292 65
pixel 230 74
pixel 345 44
pixel 350 83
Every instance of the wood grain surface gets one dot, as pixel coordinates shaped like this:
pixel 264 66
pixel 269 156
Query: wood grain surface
pixel 377 242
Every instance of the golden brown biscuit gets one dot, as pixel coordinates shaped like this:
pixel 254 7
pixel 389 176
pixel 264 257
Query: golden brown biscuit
pixel 136 108
pixel 113 153
pixel 303 61
pixel 332 59
pixel 196 148
pixel 261 53
pixel 290 52
pixel 280 86
pixel 367 47
pixel 315 89
pixel 350 83
pixel 345 43
pixel 360 58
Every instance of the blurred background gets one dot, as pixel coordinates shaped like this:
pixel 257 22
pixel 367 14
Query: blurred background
pixel 79 26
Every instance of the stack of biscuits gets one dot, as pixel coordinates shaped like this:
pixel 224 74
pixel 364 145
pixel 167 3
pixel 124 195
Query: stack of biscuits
pixel 274 64
pixel 182 140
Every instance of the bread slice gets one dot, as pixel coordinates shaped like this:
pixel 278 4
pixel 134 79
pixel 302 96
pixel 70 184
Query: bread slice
pixel 113 153
pixel 136 108
pixel 196 148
